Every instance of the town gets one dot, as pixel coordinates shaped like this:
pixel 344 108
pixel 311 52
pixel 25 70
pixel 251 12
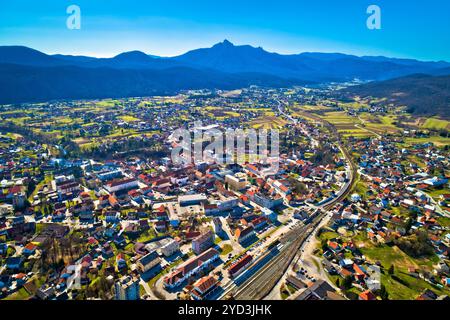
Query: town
pixel 93 207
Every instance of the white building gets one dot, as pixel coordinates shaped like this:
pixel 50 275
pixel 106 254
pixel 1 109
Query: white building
pixel 236 182
pixel 192 200
pixel 170 248
pixel 119 185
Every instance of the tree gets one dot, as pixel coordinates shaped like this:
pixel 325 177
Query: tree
pixel 416 245
pixel 324 244
pixel 338 283
pixel 347 283
pixel 31 187
pixel 408 224
pixel 383 293
pixel 391 270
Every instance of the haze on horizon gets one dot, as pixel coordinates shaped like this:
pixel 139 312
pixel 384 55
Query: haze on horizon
pixel 416 29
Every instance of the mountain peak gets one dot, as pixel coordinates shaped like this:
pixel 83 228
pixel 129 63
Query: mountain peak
pixel 132 54
pixel 225 43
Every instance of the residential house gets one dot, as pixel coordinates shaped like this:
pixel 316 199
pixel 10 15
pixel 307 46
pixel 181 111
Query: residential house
pixel 29 249
pixel 243 235
pixel 259 223
pixel 112 217
pixel 170 248
pixel 161 226
pixel 121 185
pixel 191 268
pixel 367 296
pixel 204 288
pixel 320 290
pixel 203 242
pixel 148 261
pixel 14 263
pixel 121 262
pixel 3 248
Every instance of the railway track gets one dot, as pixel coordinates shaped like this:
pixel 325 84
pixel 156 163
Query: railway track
pixel 262 283
pixel 266 278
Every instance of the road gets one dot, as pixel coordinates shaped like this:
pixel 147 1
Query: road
pixel 231 238
pixel 264 280
pixel 148 290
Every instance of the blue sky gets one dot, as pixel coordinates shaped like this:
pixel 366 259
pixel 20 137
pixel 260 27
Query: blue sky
pixel 412 29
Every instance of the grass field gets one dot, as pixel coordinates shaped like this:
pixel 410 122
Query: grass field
pixel 437 140
pixel 129 118
pixel 328 235
pixel 427 123
pixel 106 103
pixel 408 287
pixel 380 124
pixel 437 124
pixel 361 189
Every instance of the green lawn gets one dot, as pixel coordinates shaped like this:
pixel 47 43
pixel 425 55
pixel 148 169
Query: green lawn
pixel 217 240
pixel 394 256
pixel 21 294
pixel 444 222
pixel 328 235
pixel 147 236
pixel 408 287
pixel 436 194
pixel 361 189
pixel 226 249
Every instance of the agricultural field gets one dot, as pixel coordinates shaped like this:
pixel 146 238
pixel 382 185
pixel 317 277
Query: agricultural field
pixel 434 123
pixel 436 140
pixel 348 126
pixel 381 124
pixel 267 122
pixel 311 108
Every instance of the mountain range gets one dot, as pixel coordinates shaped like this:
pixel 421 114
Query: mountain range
pixel 27 75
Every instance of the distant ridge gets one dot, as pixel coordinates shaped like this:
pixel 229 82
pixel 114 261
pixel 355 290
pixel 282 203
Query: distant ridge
pixel 20 84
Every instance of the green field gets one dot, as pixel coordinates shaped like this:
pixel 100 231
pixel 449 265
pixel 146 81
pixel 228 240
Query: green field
pixel 408 287
pixel 129 118
pixel 437 124
pixel 437 140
